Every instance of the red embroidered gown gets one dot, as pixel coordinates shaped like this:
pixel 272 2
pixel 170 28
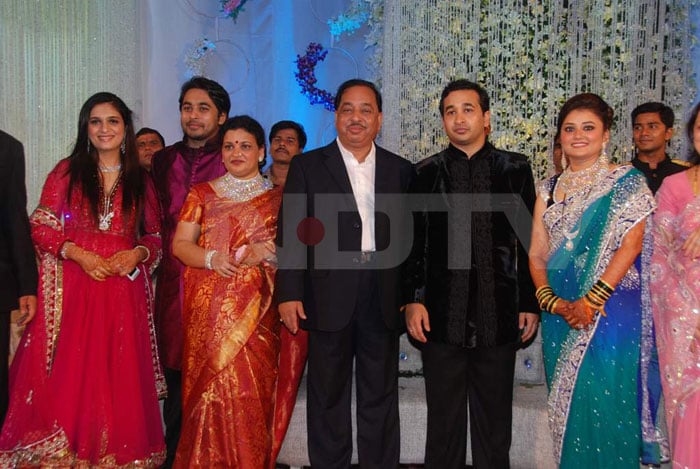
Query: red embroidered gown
pixel 84 383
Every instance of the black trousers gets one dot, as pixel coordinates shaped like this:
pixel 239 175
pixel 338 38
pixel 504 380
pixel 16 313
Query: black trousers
pixel 172 414
pixel 482 379
pixel 375 349
pixel 4 367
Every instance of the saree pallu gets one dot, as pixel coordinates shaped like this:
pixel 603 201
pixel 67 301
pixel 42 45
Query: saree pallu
pixel 231 339
pixel 593 374
pixel 675 289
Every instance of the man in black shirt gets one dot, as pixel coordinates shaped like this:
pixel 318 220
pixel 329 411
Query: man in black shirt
pixel 470 316
pixel 652 125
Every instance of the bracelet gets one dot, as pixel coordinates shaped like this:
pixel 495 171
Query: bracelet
pixel 546 299
pixel 146 250
pixel 594 306
pixel 208 257
pixel 64 249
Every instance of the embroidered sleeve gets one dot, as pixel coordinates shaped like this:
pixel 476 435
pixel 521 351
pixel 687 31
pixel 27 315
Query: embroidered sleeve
pixel 46 221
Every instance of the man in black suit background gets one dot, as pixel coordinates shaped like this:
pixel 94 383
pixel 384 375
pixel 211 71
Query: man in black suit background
pixel 339 279
pixel 18 272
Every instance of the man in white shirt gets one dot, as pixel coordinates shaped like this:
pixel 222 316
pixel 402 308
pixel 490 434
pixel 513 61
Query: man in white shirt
pixel 347 298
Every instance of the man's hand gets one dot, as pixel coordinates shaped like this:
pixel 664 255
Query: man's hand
pixel 290 313
pixel 527 322
pixel 27 309
pixel 417 321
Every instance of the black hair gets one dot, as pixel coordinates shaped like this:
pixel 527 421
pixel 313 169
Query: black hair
pixel 357 82
pixel 591 102
pixel 298 128
pixel 463 84
pixel 147 131
pixel 664 112
pixel 216 92
pixel 84 159
pixel 251 126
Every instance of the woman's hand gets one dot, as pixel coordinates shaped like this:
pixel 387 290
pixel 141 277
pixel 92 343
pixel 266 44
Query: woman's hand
pixel 124 262
pixel 577 314
pixel 691 246
pixel 222 265
pixel 255 253
pixel 92 264
pixel 695 341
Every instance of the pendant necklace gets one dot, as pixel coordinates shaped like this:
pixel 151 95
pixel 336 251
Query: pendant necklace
pixel 107 212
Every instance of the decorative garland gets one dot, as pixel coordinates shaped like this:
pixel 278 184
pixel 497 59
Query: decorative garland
pixel 306 76
pixel 198 55
pixel 351 20
pixel 231 8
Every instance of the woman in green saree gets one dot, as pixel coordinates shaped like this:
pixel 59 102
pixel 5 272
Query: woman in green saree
pixel 587 236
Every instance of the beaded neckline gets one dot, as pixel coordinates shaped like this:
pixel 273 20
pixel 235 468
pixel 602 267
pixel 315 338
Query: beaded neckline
pixel 571 182
pixel 110 169
pixel 241 190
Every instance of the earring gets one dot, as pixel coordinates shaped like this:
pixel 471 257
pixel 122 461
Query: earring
pixel 603 158
pixel 564 161
pixel 122 148
pixel 88 146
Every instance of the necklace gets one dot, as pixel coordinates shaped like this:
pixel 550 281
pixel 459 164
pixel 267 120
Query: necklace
pixel 241 190
pixel 111 169
pixel 574 182
pixel 107 199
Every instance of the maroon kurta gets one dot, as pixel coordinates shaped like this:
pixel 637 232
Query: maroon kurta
pixel 175 170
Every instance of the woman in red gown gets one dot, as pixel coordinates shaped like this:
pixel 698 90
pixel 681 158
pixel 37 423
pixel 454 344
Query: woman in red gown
pixel 85 380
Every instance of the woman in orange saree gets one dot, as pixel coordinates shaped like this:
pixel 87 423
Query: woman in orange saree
pixel 226 239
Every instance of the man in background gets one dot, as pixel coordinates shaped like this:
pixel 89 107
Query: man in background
pixel 18 271
pixel 148 142
pixel 287 139
pixel 204 107
pixel 652 129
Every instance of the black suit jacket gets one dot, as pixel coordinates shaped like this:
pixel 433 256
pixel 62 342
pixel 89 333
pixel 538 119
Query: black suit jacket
pixel 18 271
pixel 325 276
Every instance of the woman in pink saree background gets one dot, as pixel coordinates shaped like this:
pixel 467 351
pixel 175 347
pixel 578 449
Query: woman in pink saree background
pixel 675 294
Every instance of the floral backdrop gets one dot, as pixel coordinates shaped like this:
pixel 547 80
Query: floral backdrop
pixel 531 56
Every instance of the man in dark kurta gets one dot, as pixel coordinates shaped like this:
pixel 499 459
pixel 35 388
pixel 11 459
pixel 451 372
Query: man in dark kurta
pixel 204 106
pixel 469 294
